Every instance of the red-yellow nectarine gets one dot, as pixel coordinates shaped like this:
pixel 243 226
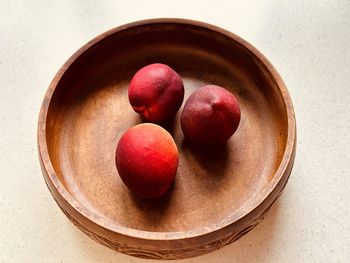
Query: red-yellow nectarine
pixel 147 159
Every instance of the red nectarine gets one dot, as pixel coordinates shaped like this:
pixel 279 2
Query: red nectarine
pixel 156 92
pixel 210 116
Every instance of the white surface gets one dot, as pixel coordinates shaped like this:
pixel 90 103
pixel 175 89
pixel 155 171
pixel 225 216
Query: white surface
pixel 309 44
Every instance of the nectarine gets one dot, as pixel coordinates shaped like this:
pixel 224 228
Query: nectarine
pixel 156 92
pixel 147 159
pixel 210 116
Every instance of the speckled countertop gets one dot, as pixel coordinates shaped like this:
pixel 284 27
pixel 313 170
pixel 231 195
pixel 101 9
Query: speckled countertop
pixel 307 41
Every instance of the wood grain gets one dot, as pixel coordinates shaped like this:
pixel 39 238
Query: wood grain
pixel 218 194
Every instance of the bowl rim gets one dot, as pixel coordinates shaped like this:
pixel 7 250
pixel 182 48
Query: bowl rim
pixel 51 175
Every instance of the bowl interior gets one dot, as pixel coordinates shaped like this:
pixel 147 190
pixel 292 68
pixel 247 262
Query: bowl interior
pixel 89 111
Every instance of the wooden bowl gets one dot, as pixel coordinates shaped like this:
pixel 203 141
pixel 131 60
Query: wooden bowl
pixel 218 195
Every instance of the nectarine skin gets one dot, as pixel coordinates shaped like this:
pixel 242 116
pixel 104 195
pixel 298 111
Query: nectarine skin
pixel 147 160
pixel 156 92
pixel 210 116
